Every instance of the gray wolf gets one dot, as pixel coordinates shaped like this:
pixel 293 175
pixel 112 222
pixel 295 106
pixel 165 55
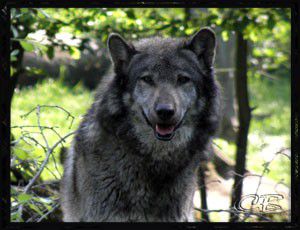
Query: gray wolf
pixel 136 153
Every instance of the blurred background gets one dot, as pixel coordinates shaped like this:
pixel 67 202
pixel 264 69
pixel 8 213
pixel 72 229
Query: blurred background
pixel 58 56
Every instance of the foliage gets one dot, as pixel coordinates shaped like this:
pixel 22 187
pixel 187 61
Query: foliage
pixel 267 29
pixel 41 30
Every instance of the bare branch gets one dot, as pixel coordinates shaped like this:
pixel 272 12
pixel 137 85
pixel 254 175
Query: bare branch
pixel 48 213
pixel 51 106
pixel 37 175
pixel 49 152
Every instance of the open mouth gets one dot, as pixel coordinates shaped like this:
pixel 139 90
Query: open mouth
pixel 163 132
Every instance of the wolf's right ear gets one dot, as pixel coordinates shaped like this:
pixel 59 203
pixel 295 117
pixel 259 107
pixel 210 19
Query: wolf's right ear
pixel 120 51
pixel 203 44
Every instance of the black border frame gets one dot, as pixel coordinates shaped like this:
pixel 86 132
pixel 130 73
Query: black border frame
pixel 5 7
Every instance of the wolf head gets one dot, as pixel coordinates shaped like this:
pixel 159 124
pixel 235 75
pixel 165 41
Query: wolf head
pixel 165 83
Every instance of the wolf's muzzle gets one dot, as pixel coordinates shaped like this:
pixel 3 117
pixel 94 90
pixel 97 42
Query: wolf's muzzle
pixel 162 131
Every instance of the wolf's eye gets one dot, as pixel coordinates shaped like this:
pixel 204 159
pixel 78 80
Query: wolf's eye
pixel 182 79
pixel 147 79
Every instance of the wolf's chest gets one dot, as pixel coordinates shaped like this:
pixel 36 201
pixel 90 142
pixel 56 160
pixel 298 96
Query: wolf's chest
pixel 141 200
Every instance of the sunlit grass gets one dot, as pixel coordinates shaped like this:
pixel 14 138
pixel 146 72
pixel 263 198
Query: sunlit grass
pixel 75 100
pixel 271 124
pixel 270 128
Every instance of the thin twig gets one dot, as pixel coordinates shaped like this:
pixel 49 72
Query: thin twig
pixel 37 175
pixel 266 166
pixel 48 213
pixel 45 162
pixel 40 128
pixel 36 126
pixel 51 106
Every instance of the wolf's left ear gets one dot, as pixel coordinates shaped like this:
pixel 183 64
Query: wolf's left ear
pixel 121 52
pixel 203 44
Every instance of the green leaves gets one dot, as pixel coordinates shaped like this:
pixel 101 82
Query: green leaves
pixel 225 35
pixel 255 23
pixel 27 46
pixel 22 155
pixel 130 14
pixel 75 53
pixel 267 28
pixel 13 55
pixel 50 52
pixel 23 197
pixel 35 208
pixel 31 45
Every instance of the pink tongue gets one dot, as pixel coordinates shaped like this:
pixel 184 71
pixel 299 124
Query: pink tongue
pixel 164 130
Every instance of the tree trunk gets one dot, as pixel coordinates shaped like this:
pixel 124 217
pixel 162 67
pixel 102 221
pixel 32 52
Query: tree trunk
pixel 4 116
pixel 17 65
pixel 244 116
pixel 225 75
pixel 187 16
pixel 202 188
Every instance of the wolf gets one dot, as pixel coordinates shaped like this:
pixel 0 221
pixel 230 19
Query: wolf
pixel 137 150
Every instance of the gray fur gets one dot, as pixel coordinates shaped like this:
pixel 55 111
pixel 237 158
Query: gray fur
pixel 117 169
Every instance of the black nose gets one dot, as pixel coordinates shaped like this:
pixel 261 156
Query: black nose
pixel 164 111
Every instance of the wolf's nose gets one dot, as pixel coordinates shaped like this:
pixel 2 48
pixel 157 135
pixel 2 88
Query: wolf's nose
pixel 164 111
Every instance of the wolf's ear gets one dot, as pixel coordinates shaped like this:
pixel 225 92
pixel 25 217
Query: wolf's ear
pixel 203 44
pixel 121 52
